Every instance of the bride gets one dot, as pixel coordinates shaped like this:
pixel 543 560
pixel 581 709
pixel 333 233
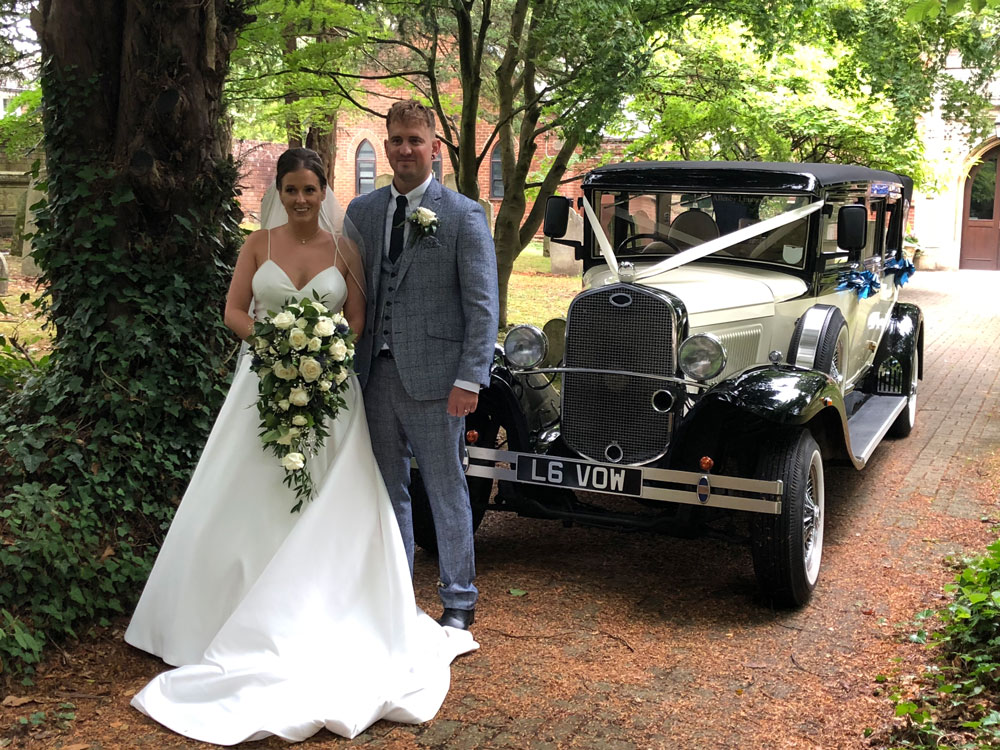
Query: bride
pixel 284 623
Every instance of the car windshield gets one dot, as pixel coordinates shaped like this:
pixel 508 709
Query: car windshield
pixel 658 224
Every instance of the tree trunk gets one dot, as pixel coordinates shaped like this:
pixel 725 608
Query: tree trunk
pixel 324 142
pixel 141 222
pixel 135 239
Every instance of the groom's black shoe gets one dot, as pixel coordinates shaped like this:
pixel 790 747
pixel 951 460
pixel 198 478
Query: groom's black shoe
pixel 457 618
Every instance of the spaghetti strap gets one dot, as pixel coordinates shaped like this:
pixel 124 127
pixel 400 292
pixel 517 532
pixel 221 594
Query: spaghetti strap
pixel 336 249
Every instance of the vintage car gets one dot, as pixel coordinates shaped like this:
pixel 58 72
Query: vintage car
pixel 738 329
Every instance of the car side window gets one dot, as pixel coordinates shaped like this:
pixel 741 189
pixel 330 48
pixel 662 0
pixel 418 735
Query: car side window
pixel 828 242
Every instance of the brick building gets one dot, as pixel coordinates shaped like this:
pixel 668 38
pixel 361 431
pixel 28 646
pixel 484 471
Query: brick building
pixel 360 164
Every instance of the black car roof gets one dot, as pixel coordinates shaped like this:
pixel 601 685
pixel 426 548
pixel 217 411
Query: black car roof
pixel 760 174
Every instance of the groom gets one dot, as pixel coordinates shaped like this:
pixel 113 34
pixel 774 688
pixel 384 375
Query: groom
pixel 430 327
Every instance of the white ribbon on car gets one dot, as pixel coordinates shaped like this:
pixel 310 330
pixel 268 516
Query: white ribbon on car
pixel 705 248
pixel 602 239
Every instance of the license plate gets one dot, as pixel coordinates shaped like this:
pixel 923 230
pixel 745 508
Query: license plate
pixel 562 472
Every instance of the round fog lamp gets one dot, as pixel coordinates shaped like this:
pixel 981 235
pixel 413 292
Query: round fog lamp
pixel 702 356
pixel 525 346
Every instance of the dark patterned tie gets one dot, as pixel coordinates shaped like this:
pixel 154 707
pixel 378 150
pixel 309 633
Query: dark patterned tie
pixel 398 224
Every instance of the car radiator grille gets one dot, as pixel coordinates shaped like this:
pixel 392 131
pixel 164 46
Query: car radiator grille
pixel 611 417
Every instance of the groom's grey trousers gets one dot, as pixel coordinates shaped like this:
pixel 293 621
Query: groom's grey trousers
pixel 401 426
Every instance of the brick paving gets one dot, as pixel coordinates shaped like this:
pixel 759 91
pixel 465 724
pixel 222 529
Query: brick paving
pixel 627 641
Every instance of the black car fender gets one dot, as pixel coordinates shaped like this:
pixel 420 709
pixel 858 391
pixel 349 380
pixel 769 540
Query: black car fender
pixel 748 407
pixel 499 406
pixel 903 335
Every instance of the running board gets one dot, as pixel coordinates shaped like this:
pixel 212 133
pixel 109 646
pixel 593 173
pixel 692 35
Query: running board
pixel 868 425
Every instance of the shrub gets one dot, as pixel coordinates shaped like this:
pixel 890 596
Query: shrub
pixel 959 701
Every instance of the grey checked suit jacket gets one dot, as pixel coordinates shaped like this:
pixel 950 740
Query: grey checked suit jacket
pixel 445 307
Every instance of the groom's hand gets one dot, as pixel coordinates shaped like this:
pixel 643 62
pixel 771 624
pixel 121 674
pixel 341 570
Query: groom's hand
pixel 461 403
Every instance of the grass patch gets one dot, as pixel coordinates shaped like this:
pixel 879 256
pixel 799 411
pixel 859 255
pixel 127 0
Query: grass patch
pixel 22 321
pixel 535 295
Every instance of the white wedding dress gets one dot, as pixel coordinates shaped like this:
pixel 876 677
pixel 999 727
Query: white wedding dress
pixel 284 623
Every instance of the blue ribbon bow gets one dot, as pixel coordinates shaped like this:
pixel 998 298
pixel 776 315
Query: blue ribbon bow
pixel 862 282
pixel 902 269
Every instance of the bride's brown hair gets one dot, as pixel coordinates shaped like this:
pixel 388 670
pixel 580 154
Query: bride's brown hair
pixel 300 158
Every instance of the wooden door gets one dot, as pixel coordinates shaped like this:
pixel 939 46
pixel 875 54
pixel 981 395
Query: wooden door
pixel 981 223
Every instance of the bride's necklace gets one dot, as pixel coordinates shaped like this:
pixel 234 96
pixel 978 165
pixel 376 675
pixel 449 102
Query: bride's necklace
pixel 302 242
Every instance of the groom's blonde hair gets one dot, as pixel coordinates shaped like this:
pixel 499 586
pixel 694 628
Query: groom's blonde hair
pixel 410 111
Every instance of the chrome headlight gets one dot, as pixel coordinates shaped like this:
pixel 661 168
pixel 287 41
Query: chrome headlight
pixel 701 356
pixel 525 346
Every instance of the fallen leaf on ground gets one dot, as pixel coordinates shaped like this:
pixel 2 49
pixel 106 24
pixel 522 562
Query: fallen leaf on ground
pixel 12 701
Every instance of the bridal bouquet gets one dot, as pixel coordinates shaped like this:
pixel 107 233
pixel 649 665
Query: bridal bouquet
pixel 303 356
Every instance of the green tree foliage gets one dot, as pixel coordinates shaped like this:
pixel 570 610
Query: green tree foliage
pixel 21 128
pixel 920 9
pixel 540 73
pixel 273 90
pixel 18 47
pixel 136 240
pixel 853 93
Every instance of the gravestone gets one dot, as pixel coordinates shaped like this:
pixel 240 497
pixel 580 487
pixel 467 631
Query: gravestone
pixel 4 274
pixel 28 265
pixel 562 256
pixel 488 210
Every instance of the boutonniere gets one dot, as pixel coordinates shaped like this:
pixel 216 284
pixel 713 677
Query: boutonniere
pixel 425 221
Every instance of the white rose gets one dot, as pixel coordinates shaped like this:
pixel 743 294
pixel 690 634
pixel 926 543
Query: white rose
pixel 285 373
pixel 298 397
pixel 283 404
pixel 314 344
pixel 324 327
pixel 293 461
pixel 283 320
pixel 338 319
pixel 325 385
pixel 299 420
pixel 424 216
pixel 320 307
pixel 301 323
pixel 350 350
pixel 338 350
pixel 341 376
pixel 285 439
pixel 263 372
pixel 298 338
pixel 310 369
pixel 260 345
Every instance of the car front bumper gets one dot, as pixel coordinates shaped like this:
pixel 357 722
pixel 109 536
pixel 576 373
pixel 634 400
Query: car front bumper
pixel 663 485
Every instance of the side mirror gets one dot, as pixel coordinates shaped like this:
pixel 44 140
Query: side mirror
pixel 852 228
pixel 556 217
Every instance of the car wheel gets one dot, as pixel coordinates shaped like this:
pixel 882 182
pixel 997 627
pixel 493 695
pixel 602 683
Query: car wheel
pixel 819 342
pixel 904 423
pixel 787 548
pixel 831 357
